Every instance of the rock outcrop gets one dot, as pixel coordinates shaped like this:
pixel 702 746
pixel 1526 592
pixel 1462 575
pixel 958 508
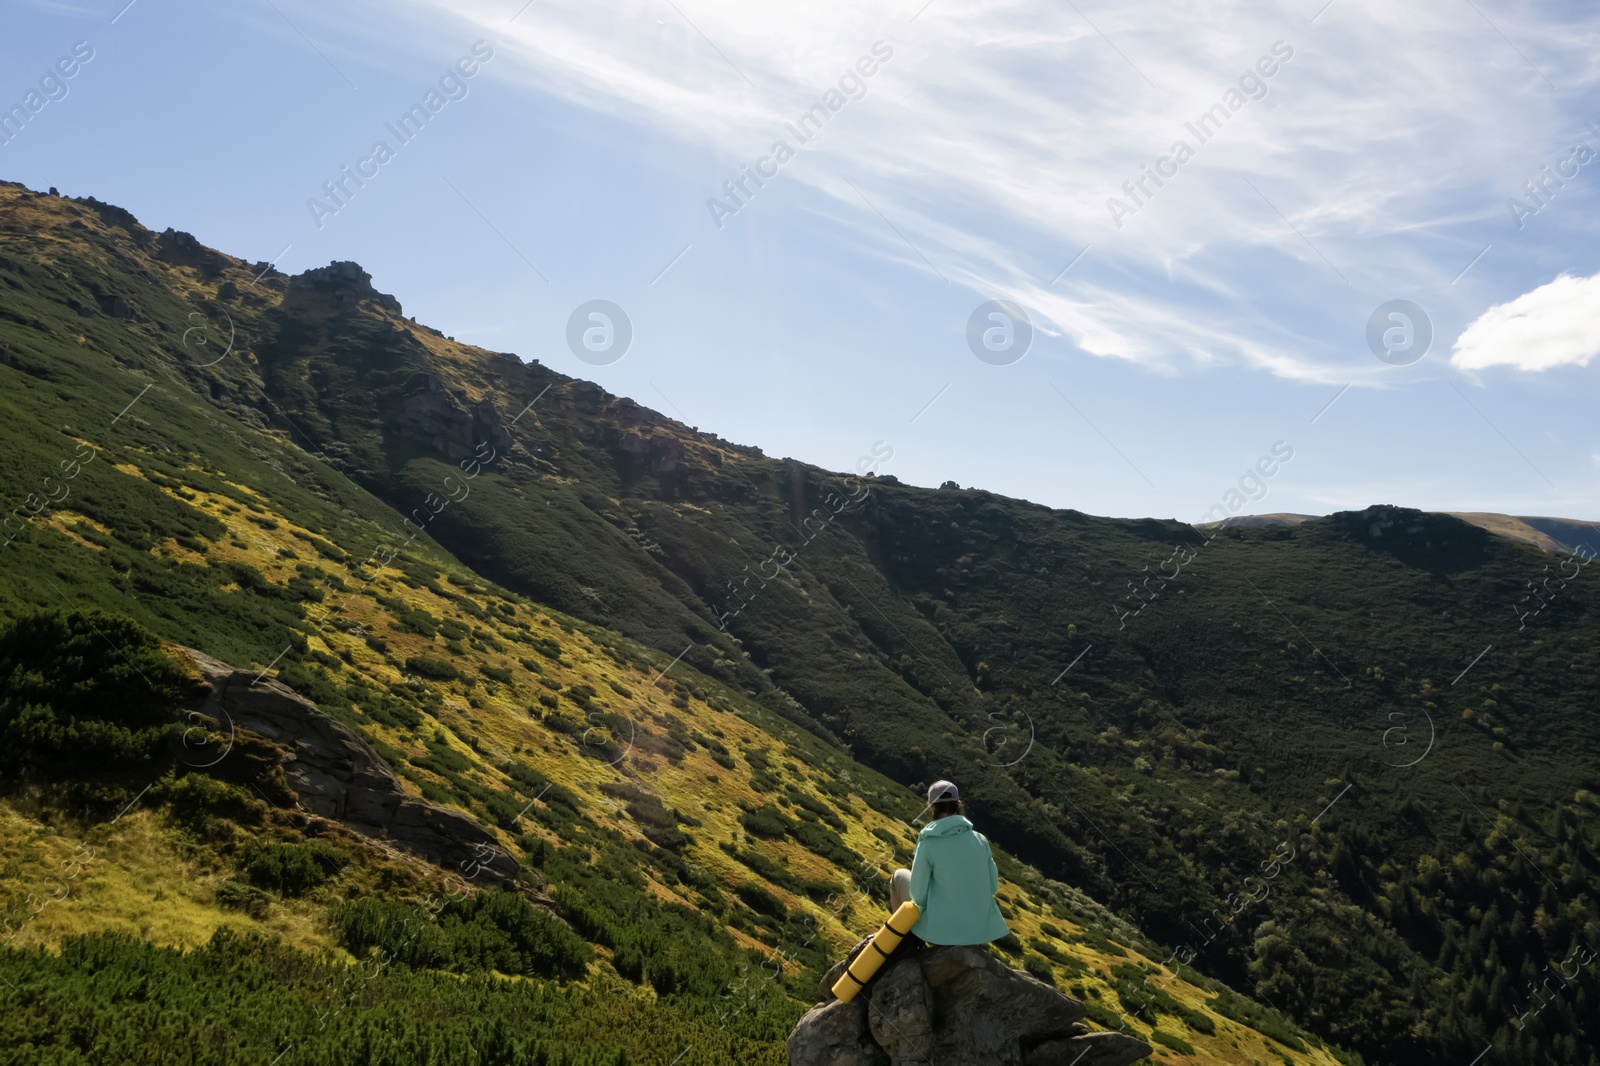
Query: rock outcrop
pixel 430 415
pixel 183 249
pixel 336 774
pixel 343 283
pixel 954 1006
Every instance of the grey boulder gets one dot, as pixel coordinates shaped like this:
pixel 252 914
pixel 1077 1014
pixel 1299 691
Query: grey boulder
pixel 955 1006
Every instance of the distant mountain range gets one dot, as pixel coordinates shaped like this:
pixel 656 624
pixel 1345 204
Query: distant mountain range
pixel 1569 535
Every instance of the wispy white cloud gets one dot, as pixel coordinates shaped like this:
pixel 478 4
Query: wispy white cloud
pixel 59 7
pixel 996 135
pixel 1554 325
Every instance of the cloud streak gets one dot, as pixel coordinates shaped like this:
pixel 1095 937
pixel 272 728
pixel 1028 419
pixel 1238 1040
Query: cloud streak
pixel 1384 150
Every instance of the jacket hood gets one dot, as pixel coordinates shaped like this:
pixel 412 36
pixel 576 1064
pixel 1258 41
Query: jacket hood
pixel 954 825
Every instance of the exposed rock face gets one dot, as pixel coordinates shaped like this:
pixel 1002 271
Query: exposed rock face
pixel 835 1034
pixel 115 306
pixel 113 215
pixel 336 774
pixel 182 249
pixel 345 283
pixel 659 455
pixel 430 415
pixel 955 1006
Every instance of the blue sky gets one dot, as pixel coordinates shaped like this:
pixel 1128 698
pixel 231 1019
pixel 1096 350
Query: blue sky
pixel 1204 317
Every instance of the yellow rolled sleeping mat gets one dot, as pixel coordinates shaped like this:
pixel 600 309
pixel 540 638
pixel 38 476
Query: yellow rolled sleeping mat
pixel 878 949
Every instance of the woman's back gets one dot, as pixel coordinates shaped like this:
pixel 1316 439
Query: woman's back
pixel 953 881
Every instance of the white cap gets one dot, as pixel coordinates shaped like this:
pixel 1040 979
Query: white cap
pixel 941 791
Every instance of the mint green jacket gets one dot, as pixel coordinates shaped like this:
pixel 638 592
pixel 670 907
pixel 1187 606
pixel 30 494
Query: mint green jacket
pixel 953 881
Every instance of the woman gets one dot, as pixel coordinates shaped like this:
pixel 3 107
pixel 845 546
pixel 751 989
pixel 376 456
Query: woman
pixel 952 878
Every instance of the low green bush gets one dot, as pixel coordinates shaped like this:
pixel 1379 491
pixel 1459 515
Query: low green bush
pixel 293 869
pixel 1231 1005
pixel 431 668
pixel 1039 967
pixel 1176 1043
pixel 238 896
pixel 490 930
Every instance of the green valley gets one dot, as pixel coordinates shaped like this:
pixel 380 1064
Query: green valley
pixel 1309 793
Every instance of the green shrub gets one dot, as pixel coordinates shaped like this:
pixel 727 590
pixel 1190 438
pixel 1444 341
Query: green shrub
pixel 1039 967
pixel 1231 1005
pixel 773 874
pixel 429 667
pixel 416 620
pixel 765 822
pixel 388 710
pixel 1097 940
pixel 293 869
pixel 761 901
pixel 490 930
pixel 442 759
pixel 815 807
pixel 1199 1021
pixel 85 695
pixel 820 840
pixel 327 550
pixel 1176 1043
pixel 658 823
pixel 563 724
pixel 197 800
pixel 238 896
pixel 1102 1016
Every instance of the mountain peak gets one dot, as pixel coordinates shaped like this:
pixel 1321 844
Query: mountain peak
pixel 347 282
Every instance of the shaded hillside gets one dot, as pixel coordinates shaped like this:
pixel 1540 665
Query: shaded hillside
pixel 1345 766
pixel 1568 536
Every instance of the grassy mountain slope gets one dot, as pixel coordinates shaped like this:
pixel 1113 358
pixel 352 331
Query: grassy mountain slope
pixel 1189 702
pixel 686 827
